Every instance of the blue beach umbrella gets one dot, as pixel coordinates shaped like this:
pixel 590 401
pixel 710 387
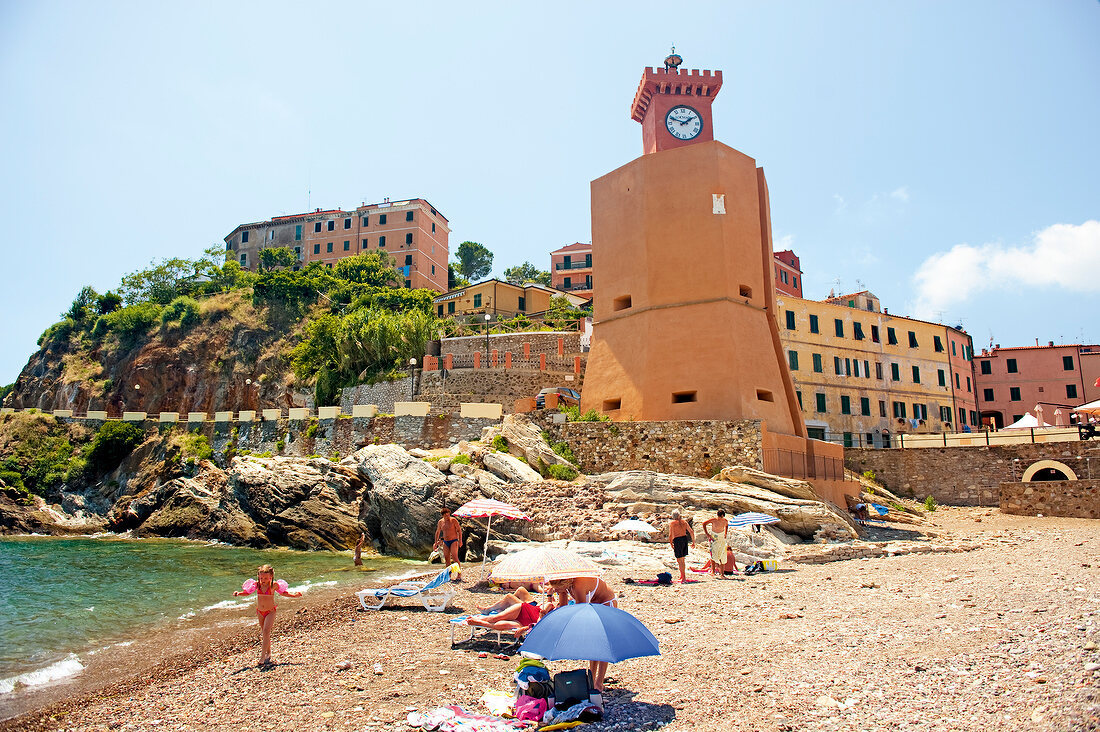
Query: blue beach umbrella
pixel 587 632
pixel 752 518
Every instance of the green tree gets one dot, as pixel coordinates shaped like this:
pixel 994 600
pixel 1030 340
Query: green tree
pixel 474 260
pixel 455 279
pixel 108 302
pixel 521 274
pixel 273 257
pixel 113 442
pixel 82 305
pixel 370 268
pixel 163 282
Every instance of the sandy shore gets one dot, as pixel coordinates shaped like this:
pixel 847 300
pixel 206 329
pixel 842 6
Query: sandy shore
pixel 999 638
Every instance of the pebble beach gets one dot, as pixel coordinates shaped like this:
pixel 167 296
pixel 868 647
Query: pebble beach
pixel 997 629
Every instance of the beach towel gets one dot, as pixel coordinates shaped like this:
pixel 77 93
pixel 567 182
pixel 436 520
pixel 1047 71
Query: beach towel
pixel 453 718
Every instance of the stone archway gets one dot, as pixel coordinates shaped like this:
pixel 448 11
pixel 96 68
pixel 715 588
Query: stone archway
pixel 1043 468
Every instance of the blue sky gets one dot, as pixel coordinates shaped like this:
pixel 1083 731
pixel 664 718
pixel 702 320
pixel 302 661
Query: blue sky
pixel 943 155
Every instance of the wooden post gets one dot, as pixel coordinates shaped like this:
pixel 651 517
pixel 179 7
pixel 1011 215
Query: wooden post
pixel 477 359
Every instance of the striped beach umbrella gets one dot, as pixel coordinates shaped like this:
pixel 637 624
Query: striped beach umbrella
pixel 752 518
pixel 487 508
pixel 543 564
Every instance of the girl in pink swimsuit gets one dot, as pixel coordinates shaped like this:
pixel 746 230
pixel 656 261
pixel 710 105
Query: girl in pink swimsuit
pixel 265 590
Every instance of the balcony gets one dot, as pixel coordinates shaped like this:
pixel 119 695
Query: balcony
pixel 575 287
pixel 572 265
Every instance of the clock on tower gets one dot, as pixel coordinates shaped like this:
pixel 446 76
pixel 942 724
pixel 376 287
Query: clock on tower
pixel 674 106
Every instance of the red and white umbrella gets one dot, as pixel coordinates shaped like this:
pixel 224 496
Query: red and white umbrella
pixel 487 508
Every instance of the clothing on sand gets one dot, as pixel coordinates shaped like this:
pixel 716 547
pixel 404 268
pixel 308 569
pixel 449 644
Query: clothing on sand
pixel 680 546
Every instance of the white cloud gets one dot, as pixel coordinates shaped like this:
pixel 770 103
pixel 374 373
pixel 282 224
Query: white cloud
pixel 878 207
pixel 1063 256
pixel 900 194
pixel 784 242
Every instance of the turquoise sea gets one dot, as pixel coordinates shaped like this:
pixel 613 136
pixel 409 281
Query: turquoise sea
pixel 62 599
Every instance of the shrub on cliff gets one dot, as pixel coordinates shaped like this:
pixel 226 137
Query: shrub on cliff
pixel 128 323
pixel 39 450
pixel 182 313
pixel 113 442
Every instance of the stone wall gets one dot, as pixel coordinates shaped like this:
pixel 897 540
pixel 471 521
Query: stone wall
pixel 382 394
pixel 698 448
pixel 1074 498
pixel 541 342
pixel 966 476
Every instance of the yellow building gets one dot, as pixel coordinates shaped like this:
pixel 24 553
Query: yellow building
pixel 497 298
pixel 862 375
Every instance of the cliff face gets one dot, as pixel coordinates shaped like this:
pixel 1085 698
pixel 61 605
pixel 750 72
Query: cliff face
pixel 206 368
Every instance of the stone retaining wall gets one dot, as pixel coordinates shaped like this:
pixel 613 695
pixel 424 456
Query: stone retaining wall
pixel 1071 498
pixel 698 448
pixel 966 476
pixel 861 550
pixel 541 342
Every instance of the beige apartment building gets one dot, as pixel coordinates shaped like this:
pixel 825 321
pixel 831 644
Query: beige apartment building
pixel 863 375
pixel 411 231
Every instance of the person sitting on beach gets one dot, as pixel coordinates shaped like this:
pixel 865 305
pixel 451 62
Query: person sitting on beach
pixel 679 532
pixel 591 590
pixel 716 530
pixel 448 532
pixel 265 590
pixel 730 567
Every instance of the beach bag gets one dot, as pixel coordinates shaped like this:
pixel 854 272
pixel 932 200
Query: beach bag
pixel 529 708
pixel 571 687
pixel 664 578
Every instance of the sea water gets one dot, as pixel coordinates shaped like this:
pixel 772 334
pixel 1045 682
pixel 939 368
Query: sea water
pixel 62 599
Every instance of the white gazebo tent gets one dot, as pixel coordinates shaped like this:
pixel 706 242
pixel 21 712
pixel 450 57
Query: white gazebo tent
pixel 1092 409
pixel 1025 422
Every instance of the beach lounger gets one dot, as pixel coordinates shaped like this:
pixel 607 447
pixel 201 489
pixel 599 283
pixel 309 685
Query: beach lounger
pixel 435 594
pixel 504 638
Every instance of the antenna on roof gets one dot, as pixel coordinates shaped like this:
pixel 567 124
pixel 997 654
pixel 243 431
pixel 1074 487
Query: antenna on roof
pixel 859 285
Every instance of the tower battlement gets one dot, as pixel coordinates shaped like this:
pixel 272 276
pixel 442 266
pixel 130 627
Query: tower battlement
pixel 689 82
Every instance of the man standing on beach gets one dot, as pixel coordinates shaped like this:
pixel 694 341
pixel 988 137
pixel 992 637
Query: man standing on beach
pixel 679 531
pixel 448 532
pixel 716 530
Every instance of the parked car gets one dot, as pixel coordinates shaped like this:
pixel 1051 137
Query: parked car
pixel 565 396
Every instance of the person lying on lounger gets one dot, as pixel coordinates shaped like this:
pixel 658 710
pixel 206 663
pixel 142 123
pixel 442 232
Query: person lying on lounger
pixel 515 610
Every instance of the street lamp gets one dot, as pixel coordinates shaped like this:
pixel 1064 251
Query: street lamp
pixel 412 379
pixel 487 317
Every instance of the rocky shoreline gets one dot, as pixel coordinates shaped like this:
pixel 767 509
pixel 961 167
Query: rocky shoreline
pixel 1000 637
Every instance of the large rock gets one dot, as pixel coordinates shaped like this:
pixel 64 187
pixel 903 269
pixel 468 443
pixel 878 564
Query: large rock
pixel 790 487
pixel 524 439
pixel 510 468
pixel 639 491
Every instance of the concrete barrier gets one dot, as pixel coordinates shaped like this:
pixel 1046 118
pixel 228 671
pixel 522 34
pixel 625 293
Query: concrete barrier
pixel 364 410
pixel 63 413
pixel 272 415
pixel 246 415
pixel 133 416
pixel 169 417
pixel 196 417
pixel 223 416
pixel 96 414
pixel 328 412
pixel 298 413
pixel 411 409
pixel 475 410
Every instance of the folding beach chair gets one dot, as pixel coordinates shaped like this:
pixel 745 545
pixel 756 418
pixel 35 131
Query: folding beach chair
pixel 434 594
pixel 503 638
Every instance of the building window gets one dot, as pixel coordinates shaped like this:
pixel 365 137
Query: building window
pixel 839 326
pixel 316 248
pixel 347 223
pixel 874 333
pixel 790 320
pixel 522 302
pixel 1010 364
pixel 847 367
pixel 317 227
pixel 986 367
pixel 409 238
pixel 987 395
pixel 364 243
pixel 945 414
pixel 847 439
pixel 332 225
pixel 916 374
pixel 857 331
pixel 845 404
pixel 792 357
pixel 1071 391
pixel 783 276
pixel 855 367
pixel 878 372
pixel 433 227
pixel 820 399
pixel 298 253
pixel 382 242
pixel 962 416
pixel 244 260
pixel 1014 393
pixel 1067 363
pixel 813 324
pixel 866 368
pixel 912 339
pixel 899 410
pixel 882 407
pixel 298 232
pixel 794 281
pixel 587 260
pixel 957 382
pixel 567 284
pixel 968 384
pixel 244 237
pixel 942 377
pixel 891 337
pixel 798 393
pixel 328 247
pixel 952 348
pixel 865 406
pixel 408 259
pixel 895 372
pixel 938 345
pixel 837 368
pixel 408 284
pixel 381 219
pixel 817 363
pixel 451 306
pixel 433 275
pixel 408 215
pixel 440 311
pixel 347 246
pixel 366 220
pixel 477 301
pixel 920 411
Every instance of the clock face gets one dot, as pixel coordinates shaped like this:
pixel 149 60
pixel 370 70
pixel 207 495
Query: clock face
pixel 684 123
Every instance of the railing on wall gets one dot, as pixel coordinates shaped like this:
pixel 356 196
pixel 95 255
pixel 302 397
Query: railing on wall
pixel 792 464
pixel 984 438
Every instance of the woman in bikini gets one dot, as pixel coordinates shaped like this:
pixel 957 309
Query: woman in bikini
pixel 265 589
pixel 592 590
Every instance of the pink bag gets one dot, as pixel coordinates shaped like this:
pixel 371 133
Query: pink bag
pixel 529 708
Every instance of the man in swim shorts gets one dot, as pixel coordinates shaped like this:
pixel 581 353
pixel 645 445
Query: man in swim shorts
pixel 716 530
pixel 448 532
pixel 679 532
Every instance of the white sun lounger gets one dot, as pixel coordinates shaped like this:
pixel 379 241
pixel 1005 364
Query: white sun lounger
pixel 435 594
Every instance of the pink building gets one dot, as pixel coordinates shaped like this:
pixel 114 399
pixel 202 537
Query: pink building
pixel 1011 381
pixel 788 274
pixel 571 269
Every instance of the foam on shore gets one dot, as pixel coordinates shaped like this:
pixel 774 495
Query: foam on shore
pixel 68 666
